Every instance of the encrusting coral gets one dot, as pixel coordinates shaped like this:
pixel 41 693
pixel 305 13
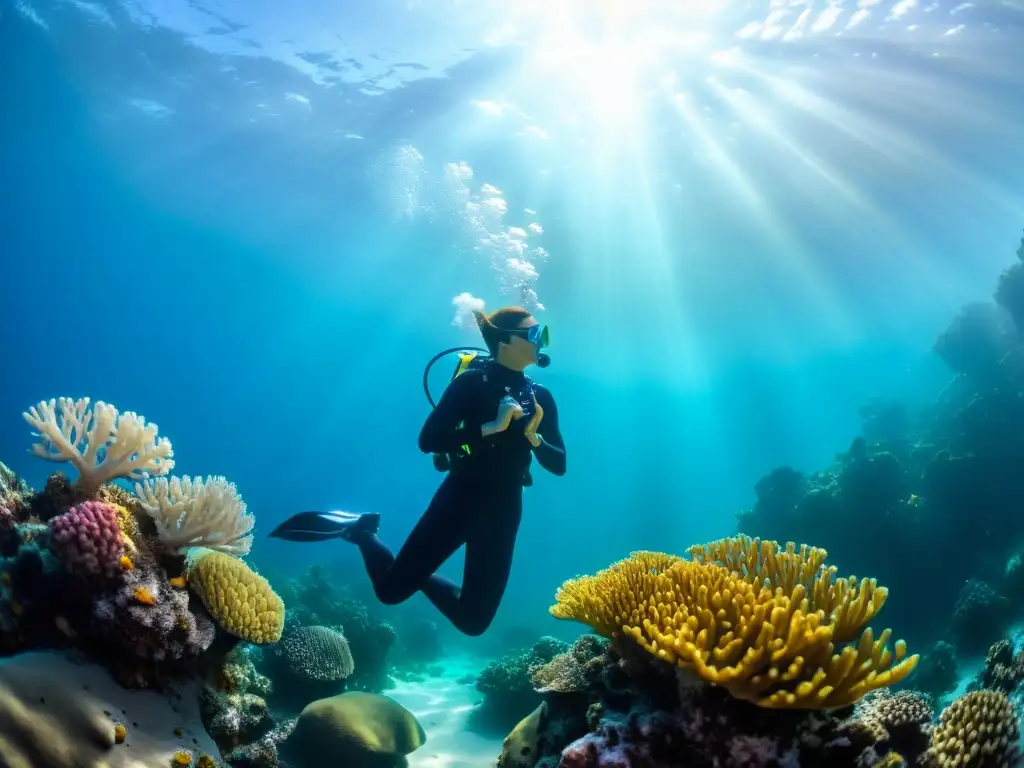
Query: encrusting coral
pixel 760 621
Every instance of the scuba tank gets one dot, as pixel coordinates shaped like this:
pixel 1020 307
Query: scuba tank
pixel 469 358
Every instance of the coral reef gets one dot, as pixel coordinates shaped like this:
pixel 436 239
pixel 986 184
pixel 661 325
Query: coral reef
pixel 318 601
pixel 631 710
pixel 507 685
pixel 91 567
pixel 941 480
pixel 308 663
pixel 757 620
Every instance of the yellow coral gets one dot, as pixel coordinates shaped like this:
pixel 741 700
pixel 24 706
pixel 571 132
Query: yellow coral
pixel 759 621
pixel 182 758
pixel 240 600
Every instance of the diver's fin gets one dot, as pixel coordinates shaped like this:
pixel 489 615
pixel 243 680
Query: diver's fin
pixel 321 526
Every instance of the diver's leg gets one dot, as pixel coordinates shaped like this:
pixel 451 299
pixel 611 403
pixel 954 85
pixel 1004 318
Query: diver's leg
pixel 489 551
pixel 433 540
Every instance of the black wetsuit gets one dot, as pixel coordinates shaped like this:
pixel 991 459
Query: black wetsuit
pixel 479 503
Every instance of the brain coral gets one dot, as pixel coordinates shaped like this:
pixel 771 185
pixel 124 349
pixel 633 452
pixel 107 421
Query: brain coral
pixel 240 600
pixel 757 620
pixel 353 729
pixel 315 653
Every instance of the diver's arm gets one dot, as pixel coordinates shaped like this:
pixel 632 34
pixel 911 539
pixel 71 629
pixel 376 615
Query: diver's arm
pixel 551 450
pixel 444 430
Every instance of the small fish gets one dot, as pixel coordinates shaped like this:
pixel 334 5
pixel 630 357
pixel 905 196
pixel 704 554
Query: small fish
pixel 322 526
pixel 914 500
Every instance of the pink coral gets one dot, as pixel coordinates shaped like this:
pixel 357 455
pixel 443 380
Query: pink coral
pixel 87 539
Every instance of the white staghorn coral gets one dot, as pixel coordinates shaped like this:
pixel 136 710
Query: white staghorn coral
pixel 192 513
pixel 100 443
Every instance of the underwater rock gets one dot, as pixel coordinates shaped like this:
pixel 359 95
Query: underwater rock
pixel 979 617
pixel 1009 293
pixel 937 674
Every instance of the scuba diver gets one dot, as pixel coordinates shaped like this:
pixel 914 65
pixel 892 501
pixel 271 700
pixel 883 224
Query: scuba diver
pixel 490 422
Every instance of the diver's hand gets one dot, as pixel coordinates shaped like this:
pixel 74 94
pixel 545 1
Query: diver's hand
pixel 508 409
pixel 533 423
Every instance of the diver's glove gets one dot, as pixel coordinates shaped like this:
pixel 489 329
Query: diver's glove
pixel 508 409
pixel 531 426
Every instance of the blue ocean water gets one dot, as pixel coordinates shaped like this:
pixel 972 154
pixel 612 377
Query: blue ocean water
pixel 243 222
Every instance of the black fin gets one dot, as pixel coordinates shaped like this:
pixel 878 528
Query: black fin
pixel 315 526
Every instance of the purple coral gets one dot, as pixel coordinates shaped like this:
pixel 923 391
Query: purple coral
pixel 87 539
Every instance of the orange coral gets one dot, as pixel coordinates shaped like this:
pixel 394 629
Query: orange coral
pixel 178 581
pixel 183 758
pixel 120 733
pixel 144 596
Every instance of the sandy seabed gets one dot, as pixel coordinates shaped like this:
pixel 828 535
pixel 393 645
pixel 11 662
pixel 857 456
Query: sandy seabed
pixel 443 705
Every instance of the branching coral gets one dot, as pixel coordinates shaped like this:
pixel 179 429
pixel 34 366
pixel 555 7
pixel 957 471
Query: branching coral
pixel 196 513
pixel 759 621
pixel 100 443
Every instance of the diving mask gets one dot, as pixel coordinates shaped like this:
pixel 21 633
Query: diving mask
pixel 537 335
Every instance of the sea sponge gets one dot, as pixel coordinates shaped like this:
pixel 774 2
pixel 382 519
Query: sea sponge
pixel 978 730
pixel 759 621
pixel 354 728
pixel 87 540
pixel 240 600
pixel 82 435
pixel 198 513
